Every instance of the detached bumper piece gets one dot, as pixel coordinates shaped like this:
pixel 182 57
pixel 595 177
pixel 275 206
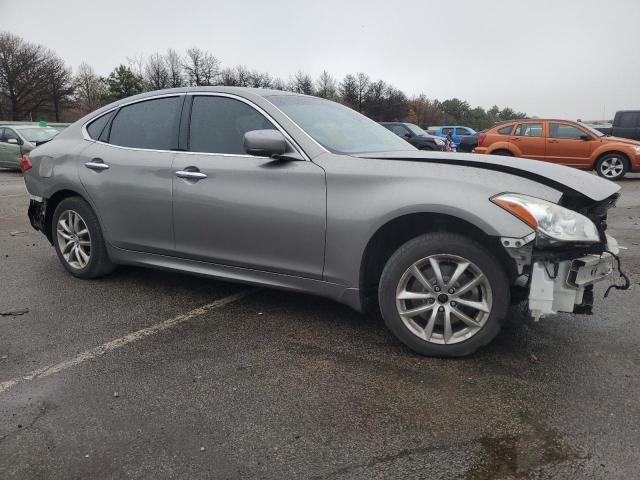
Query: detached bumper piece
pixel 37 210
pixel 567 286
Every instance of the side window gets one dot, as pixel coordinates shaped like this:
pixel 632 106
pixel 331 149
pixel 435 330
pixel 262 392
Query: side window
pixel 399 130
pixel 8 134
pixel 505 130
pixel 151 124
pixel 218 125
pixel 560 130
pixel 628 119
pixel 462 131
pixel 529 130
pixel 445 131
pixel 94 129
pixel 2 135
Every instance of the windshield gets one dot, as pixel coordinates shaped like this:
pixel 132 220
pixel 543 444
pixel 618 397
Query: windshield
pixel 38 134
pixel 338 128
pixel 416 130
pixel 592 130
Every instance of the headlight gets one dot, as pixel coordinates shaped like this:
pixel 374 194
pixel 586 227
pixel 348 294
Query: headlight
pixel 552 220
pixel 438 141
pixel 638 150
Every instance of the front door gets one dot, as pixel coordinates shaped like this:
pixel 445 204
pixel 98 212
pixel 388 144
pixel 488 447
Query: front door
pixel 128 177
pixel 10 152
pixel 245 211
pixel 568 145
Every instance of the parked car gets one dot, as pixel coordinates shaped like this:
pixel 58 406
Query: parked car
pixel 18 140
pixel 415 135
pixel 626 124
pixel 457 132
pixel 469 142
pixel 296 192
pixel 567 143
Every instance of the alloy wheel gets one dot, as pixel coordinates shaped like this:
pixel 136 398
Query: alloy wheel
pixel 73 239
pixel 444 299
pixel 612 167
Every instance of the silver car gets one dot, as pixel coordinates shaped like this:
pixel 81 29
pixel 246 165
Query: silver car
pixel 295 192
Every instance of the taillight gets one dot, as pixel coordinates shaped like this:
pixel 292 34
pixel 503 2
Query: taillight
pixel 481 138
pixel 25 163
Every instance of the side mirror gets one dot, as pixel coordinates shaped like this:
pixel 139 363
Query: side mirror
pixel 13 141
pixel 585 137
pixel 265 143
pixel 407 135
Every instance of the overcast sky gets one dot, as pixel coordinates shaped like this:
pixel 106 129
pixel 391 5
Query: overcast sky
pixel 557 58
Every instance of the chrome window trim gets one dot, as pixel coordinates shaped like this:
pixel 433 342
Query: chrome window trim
pixel 86 136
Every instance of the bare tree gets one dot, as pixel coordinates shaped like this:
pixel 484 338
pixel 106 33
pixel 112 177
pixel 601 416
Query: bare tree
pixel 228 77
pixel 362 84
pixel 24 79
pixel 60 85
pixel 243 76
pixel 260 80
pixel 349 91
pixel 136 64
pixel 278 84
pixel 173 62
pixel 301 83
pixel 90 90
pixel 326 86
pixel 156 74
pixel 201 67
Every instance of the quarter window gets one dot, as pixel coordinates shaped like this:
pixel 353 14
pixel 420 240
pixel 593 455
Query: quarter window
pixel 95 128
pixel 529 130
pixel 151 124
pixel 218 125
pixel 560 130
pixel 505 130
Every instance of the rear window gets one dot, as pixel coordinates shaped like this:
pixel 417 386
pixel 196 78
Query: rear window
pixel 151 124
pixel 505 130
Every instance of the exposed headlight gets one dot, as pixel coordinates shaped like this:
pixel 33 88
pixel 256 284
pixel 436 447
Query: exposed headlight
pixel 438 141
pixel 552 220
pixel 638 150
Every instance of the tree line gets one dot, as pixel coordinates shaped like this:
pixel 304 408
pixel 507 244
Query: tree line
pixel 36 84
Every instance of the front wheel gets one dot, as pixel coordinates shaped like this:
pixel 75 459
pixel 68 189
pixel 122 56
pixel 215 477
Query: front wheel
pixel 443 295
pixel 612 166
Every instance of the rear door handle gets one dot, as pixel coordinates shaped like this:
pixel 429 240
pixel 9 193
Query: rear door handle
pixel 96 164
pixel 191 173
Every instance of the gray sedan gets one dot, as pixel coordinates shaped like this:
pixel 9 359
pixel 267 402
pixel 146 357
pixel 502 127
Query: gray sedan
pixel 295 192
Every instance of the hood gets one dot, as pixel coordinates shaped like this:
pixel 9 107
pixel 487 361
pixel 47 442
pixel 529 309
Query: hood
pixel 570 181
pixel 627 141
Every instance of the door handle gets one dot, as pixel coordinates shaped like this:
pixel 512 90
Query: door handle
pixel 191 174
pixel 515 139
pixel 96 164
pixel 554 141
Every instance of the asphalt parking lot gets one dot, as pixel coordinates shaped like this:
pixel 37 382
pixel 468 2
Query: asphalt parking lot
pixel 148 373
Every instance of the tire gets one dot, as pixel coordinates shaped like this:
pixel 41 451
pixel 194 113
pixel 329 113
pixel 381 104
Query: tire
pixel 80 246
pixel 491 293
pixel 502 153
pixel 612 166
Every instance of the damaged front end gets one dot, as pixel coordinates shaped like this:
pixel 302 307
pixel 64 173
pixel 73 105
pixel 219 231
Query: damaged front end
pixel 566 255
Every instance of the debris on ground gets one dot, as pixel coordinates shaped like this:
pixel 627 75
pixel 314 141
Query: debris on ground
pixel 116 394
pixel 534 358
pixel 14 313
pixel 202 449
pixel 18 232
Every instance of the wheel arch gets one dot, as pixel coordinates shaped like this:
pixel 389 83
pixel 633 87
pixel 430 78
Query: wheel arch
pixel 618 151
pixel 509 147
pixel 52 203
pixel 395 232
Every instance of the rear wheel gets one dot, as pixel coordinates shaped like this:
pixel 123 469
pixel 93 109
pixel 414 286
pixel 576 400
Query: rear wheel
pixel 78 239
pixel 443 295
pixel 504 153
pixel 612 166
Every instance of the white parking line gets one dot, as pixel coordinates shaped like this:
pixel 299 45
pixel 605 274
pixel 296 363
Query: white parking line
pixel 122 341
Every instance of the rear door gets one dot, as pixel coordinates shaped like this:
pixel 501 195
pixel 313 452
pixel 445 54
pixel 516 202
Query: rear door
pixel 242 210
pixel 529 138
pixel 565 145
pixel 627 125
pixel 128 175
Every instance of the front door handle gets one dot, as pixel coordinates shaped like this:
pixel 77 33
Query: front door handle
pixel 96 164
pixel 191 173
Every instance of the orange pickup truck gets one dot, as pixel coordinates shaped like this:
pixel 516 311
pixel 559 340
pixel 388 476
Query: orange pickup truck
pixel 559 141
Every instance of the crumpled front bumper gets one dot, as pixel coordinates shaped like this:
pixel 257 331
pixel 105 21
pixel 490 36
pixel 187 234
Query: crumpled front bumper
pixel 567 286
